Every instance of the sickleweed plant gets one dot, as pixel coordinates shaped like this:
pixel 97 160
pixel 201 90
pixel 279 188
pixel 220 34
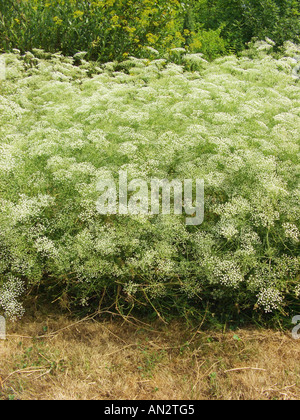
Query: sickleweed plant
pixel 233 123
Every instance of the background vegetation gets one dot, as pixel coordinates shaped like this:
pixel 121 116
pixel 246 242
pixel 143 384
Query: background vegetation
pixel 240 20
pixel 113 29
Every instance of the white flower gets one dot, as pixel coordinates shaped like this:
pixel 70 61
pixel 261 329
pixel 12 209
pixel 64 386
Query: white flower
pixel 233 122
pixel 11 290
pixel 292 232
pixel 269 299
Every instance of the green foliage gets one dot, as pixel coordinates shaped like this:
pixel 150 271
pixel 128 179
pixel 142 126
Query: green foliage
pixel 115 29
pixel 106 29
pixel 241 20
pixel 66 123
pixel 209 43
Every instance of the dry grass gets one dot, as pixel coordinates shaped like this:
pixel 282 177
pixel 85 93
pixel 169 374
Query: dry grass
pixel 55 359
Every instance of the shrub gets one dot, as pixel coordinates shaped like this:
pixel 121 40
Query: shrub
pixel 240 21
pixel 106 29
pixel 209 43
pixel 233 122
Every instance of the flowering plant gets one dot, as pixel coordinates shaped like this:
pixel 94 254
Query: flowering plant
pixel 233 123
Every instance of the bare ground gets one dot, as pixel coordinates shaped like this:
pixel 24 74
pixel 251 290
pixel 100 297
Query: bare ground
pixel 59 359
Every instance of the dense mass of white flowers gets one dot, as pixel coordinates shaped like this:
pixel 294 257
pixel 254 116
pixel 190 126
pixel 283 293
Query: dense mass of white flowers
pixel 234 123
pixel 10 291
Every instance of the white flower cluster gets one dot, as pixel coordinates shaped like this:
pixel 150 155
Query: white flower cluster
pixel 292 232
pixel 227 274
pixel 66 124
pixel 10 291
pixel 270 299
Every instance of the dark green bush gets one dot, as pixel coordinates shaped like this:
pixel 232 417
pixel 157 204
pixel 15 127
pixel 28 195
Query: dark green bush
pixel 242 20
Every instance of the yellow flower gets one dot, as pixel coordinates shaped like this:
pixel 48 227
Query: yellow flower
pixel 96 42
pixel 57 20
pixel 152 38
pixel 196 44
pixel 78 14
pixel 170 25
pixel 130 30
pixel 115 19
pixel 179 36
pixel 17 21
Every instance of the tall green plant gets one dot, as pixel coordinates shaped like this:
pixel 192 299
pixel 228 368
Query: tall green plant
pixel 241 20
pixel 106 29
